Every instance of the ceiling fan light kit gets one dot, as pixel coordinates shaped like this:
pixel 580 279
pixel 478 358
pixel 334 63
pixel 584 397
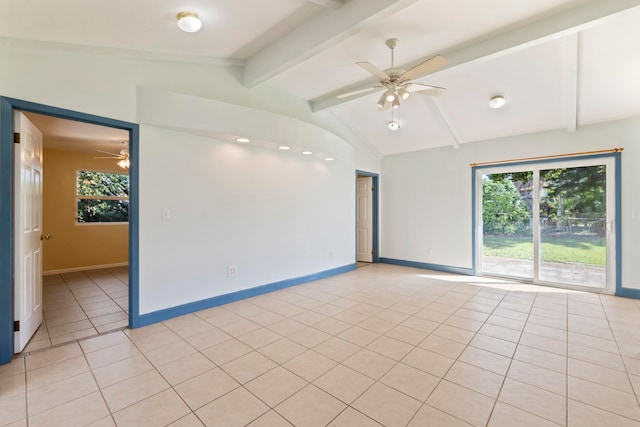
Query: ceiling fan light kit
pixel 189 22
pixel 497 101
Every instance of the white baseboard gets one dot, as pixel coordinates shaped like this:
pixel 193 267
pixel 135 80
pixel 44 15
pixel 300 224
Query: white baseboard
pixel 84 268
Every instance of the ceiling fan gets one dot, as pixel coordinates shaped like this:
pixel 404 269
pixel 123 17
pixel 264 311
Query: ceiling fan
pixel 398 81
pixel 122 157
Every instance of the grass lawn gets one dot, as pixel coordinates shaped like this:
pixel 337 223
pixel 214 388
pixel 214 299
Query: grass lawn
pixel 552 250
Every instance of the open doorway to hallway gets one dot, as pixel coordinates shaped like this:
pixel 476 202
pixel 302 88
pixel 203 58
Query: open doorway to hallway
pixel 366 218
pixel 85 230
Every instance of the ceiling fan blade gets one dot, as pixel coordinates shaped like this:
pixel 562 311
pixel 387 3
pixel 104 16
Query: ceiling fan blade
pixel 106 157
pixel 368 66
pixel 357 92
pixel 108 152
pixel 426 89
pixel 425 67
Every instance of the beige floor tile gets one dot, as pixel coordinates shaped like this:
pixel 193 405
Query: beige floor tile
pixel 270 419
pixel 351 317
pixel 352 418
pixel 593 342
pixel 465 323
pixel 53 356
pixel 543 343
pixel 208 338
pixel 226 351
pixel 310 407
pixel 597 357
pixel 15 367
pixel 185 368
pixel 109 355
pixel 309 365
pixel 237 408
pixel 13 409
pixel 148 342
pixel 169 353
pixel 286 327
pixel 104 341
pixel 344 383
pixel 259 338
pixel 500 332
pixel 159 409
pixel 336 349
pixel 188 325
pixel 121 370
pixel 103 422
pixel 428 361
pixel 534 400
pixel 410 381
pixel 369 363
pixel 443 346
pixel 359 336
pixel 542 358
pixel 79 412
pixel 189 420
pixel 247 367
pixel 494 345
pixel 390 347
pixel 275 386
pixel 387 406
pixel 456 334
pixel 282 350
pixel 206 387
pixel 50 374
pixel 113 326
pixel 67 328
pixel 72 336
pixel 377 325
pixel 12 386
pixel 45 398
pixel 132 390
pixel 621 403
pixel 581 415
pixel 546 379
pixel 332 326
pixel 309 337
pixel 486 360
pixel 505 415
pixel 407 335
pixel 470 406
pixel 600 375
pixel 476 379
pixel 429 416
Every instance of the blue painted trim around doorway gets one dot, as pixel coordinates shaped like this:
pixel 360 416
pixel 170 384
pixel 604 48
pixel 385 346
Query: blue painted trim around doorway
pixel 7 107
pixel 168 313
pixel 376 196
pixel 427 266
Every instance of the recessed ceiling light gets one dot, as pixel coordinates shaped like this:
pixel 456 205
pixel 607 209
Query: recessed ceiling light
pixel 393 125
pixel 497 101
pixel 328 159
pixel 284 147
pixel 243 139
pixel 307 152
pixel 189 22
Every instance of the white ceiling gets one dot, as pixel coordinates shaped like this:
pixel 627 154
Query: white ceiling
pixel 560 64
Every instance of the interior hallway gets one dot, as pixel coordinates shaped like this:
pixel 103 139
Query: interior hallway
pixel 82 304
pixel 381 345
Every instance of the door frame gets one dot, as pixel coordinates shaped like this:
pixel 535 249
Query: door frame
pixel 374 214
pixel 7 108
pixel 617 203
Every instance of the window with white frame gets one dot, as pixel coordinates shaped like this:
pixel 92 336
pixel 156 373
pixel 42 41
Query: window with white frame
pixel 102 197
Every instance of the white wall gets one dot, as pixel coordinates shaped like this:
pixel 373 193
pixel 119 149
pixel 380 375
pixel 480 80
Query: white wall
pixel 274 215
pixel 426 195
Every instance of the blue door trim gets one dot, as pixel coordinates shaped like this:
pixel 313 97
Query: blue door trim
pixel 7 107
pixel 375 216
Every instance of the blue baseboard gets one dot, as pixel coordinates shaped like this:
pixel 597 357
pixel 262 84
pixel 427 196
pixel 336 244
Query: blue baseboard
pixel 426 266
pixel 628 293
pixel 168 313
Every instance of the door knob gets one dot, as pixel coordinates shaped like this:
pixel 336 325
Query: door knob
pixel 46 237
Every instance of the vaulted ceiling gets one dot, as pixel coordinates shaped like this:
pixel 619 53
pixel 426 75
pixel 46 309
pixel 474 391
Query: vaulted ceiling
pixel 560 64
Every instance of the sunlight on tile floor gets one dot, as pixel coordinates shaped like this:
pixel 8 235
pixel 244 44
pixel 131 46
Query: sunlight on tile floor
pixel 382 345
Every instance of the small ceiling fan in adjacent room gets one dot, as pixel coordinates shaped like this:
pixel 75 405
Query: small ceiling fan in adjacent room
pixel 122 157
pixel 397 82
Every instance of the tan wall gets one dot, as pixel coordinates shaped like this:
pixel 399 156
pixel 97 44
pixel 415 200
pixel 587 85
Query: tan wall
pixel 75 246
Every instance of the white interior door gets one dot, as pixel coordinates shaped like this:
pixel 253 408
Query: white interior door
pixel 28 231
pixel 365 218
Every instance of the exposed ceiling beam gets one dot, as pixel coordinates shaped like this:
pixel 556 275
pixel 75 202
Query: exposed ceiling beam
pixel 333 4
pixel 572 82
pixel 516 38
pixel 438 116
pixel 324 30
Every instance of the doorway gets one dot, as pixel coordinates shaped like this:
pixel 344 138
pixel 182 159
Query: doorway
pixel 366 218
pixel 550 223
pixel 7 221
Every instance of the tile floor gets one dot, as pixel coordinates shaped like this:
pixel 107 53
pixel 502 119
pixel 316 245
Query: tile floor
pixel 82 304
pixel 381 345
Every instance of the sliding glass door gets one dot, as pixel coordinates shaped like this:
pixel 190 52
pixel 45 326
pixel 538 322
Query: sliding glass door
pixel 550 223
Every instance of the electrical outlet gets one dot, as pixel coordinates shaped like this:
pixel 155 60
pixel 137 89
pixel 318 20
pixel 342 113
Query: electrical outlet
pixel 232 271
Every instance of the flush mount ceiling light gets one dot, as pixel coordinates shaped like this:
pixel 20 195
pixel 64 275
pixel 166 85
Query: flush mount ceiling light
pixel 497 101
pixel 189 22
pixel 329 159
pixel 284 147
pixel 242 139
pixel 307 152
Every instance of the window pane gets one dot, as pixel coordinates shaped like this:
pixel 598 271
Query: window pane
pixel 92 210
pixel 102 184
